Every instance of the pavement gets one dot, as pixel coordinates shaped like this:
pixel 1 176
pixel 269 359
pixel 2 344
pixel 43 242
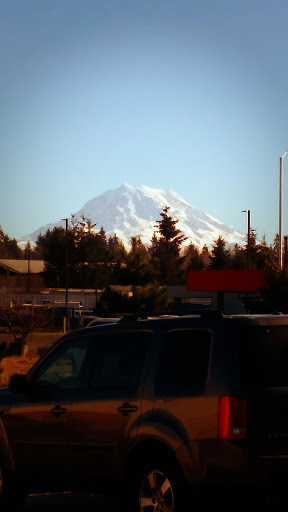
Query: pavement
pixel 77 502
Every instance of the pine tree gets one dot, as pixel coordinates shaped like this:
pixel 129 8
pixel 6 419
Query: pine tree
pixel 238 258
pixel 53 247
pixel 9 247
pixel 264 257
pixel 116 250
pixel 137 269
pixel 220 257
pixel 192 258
pixel 275 246
pixel 205 256
pixel 166 248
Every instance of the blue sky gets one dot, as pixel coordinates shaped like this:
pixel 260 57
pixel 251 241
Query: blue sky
pixel 189 95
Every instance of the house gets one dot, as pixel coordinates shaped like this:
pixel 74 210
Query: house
pixel 21 275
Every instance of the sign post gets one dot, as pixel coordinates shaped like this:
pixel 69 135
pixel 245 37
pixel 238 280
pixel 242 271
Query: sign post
pixel 222 281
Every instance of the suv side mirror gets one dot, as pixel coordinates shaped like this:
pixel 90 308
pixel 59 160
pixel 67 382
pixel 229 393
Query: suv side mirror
pixel 18 383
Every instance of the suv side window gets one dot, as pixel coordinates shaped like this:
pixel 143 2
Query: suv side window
pixel 118 365
pixel 63 368
pixel 184 362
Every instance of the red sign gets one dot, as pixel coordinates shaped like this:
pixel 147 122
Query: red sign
pixel 226 280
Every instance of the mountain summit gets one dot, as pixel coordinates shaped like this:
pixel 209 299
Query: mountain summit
pixel 130 211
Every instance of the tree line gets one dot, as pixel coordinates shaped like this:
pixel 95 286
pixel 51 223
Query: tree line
pixel 85 258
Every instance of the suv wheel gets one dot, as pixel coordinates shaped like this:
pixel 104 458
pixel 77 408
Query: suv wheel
pixel 158 488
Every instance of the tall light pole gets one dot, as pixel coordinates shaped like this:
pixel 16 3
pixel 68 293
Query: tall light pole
pixel 280 255
pixel 248 236
pixel 28 261
pixel 66 268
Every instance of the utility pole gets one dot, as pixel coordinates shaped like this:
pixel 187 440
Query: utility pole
pixel 248 240
pixel 28 270
pixel 280 253
pixel 285 257
pixel 248 237
pixel 66 271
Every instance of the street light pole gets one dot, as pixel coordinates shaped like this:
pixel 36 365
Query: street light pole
pixel 66 269
pixel 280 255
pixel 28 261
pixel 248 237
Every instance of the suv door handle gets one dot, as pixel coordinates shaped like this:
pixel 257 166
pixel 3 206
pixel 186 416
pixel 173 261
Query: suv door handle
pixel 126 408
pixel 58 411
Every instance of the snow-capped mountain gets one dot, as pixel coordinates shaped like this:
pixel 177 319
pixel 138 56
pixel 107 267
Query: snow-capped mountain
pixel 130 211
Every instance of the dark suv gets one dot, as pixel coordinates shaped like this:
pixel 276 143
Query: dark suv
pixel 151 410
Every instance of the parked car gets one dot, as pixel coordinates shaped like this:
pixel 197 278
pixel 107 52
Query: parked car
pixel 87 315
pixel 153 411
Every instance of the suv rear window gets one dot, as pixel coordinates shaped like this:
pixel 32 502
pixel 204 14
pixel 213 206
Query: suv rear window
pixel 184 362
pixel 263 356
pixel 118 364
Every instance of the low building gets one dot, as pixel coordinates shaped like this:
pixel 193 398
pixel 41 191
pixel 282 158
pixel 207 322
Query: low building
pixel 21 275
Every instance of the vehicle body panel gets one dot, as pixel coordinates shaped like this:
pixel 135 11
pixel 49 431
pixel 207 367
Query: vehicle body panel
pixel 37 437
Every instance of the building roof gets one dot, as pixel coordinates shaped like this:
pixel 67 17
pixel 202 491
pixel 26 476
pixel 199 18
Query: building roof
pixel 22 267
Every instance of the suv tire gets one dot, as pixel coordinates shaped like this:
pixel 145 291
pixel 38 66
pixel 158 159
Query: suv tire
pixel 157 486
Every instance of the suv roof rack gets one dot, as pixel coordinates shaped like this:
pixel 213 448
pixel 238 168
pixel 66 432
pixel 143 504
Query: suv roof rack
pixel 203 313
pixel 215 314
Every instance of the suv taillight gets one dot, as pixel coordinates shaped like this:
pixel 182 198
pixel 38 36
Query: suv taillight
pixel 231 417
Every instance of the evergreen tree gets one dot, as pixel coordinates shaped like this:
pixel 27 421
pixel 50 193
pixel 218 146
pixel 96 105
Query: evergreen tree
pixel 137 269
pixel 116 250
pixel 88 243
pixel 36 252
pixel 9 247
pixel 53 247
pixel 145 300
pixel 238 258
pixel 166 248
pixel 220 257
pixel 192 258
pixel 153 245
pixel 138 246
pixel 264 256
pixel 151 300
pixel 275 246
pixel 251 250
pixel 205 256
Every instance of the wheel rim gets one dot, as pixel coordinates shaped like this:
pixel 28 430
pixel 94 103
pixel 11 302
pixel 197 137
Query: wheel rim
pixel 156 493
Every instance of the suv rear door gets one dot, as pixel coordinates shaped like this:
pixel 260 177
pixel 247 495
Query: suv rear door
pixel 181 374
